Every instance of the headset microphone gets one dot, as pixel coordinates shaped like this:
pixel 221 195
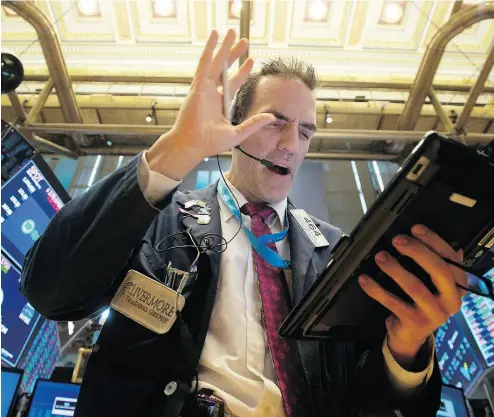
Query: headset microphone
pixel 277 168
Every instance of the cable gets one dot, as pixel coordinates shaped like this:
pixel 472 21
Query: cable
pixel 241 223
pixel 52 24
pixel 208 240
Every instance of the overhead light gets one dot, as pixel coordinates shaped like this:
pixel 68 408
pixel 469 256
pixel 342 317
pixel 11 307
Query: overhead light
pixel 329 119
pixel 70 327
pixel 152 115
pixel 164 8
pixel 392 12
pixel 109 142
pixel 317 10
pixel 88 7
pixel 236 8
pixel 206 159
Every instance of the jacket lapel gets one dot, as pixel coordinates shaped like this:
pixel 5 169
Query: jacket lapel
pixel 301 252
pixel 204 233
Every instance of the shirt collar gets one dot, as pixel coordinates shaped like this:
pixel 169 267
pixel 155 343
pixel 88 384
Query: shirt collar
pixel 279 208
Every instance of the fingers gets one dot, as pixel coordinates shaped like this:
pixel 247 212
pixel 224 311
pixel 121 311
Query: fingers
pixel 412 286
pixel 398 307
pixel 252 125
pixel 441 275
pixel 435 242
pixel 222 55
pixel 204 67
pixel 442 248
pixel 237 51
pixel 239 78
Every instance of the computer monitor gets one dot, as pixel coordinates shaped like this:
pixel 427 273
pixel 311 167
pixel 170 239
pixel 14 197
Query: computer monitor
pixel 11 379
pixel 477 312
pixel 453 402
pixel 29 200
pixel 459 360
pixel 53 399
pixel 16 151
pixel 19 318
pixel 41 355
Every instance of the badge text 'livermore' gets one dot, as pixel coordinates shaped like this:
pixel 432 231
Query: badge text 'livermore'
pixel 154 306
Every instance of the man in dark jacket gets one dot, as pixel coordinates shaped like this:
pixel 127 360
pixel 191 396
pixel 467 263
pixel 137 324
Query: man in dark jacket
pixel 239 257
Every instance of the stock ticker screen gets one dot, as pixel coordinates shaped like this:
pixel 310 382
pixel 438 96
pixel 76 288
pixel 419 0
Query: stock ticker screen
pixel 28 203
pixel 16 151
pixel 41 356
pixel 19 318
pixel 479 316
pixel 478 311
pixel 458 360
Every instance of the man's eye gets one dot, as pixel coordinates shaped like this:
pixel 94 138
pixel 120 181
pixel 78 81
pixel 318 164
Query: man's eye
pixel 275 125
pixel 304 135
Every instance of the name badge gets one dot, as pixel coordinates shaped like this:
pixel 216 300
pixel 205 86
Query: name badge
pixel 310 229
pixel 147 302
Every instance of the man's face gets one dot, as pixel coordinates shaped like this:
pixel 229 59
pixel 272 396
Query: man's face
pixel 283 142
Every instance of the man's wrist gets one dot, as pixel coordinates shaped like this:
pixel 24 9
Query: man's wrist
pixel 408 354
pixel 171 157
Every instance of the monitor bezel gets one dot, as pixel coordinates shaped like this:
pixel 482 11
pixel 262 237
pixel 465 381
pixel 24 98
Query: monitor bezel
pixel 462 392
pixel 54 183
pixel 16 392
pixel 36 326
pixel 51 178
pixel 36 387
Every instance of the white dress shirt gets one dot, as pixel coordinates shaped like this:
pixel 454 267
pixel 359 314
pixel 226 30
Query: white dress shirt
pixel 235 360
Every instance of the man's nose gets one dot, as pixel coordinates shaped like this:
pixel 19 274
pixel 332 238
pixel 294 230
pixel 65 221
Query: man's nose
pixel 289 139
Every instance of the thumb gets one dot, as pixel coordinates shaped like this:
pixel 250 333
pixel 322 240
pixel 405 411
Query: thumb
pixel 252 125
pixel 391 322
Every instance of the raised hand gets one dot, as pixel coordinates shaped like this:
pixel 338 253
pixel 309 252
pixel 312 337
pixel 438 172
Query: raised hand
pixel 201 128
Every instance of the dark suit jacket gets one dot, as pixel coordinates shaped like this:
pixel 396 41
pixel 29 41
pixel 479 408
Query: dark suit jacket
pixel 74 269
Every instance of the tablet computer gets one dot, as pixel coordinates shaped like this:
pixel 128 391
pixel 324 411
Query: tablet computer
pixel 443 185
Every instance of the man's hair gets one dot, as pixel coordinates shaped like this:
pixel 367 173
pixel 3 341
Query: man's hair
pixel 287 68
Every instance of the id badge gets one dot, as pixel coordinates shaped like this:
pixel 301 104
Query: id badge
pixel 147 302
pixel 310 229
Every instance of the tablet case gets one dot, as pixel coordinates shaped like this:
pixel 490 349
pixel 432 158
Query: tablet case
pixel 444 185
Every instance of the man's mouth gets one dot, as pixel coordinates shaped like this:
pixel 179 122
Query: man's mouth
pixel 277 169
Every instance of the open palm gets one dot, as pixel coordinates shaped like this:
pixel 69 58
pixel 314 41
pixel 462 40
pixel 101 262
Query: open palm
pixel 201 121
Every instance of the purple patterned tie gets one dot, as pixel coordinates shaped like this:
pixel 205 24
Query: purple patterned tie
pixel 276 306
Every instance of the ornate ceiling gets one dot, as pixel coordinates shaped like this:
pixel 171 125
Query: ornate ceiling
pixel 351 41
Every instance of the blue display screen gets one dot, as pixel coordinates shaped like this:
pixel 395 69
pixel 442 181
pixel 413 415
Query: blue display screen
pixel 28 204
pixel 41 357
pixel 16 151
pixel 460 366
pixel 479 316
pixel 10 382
pixel 452 403
pixel 54 399
pixel 18 316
